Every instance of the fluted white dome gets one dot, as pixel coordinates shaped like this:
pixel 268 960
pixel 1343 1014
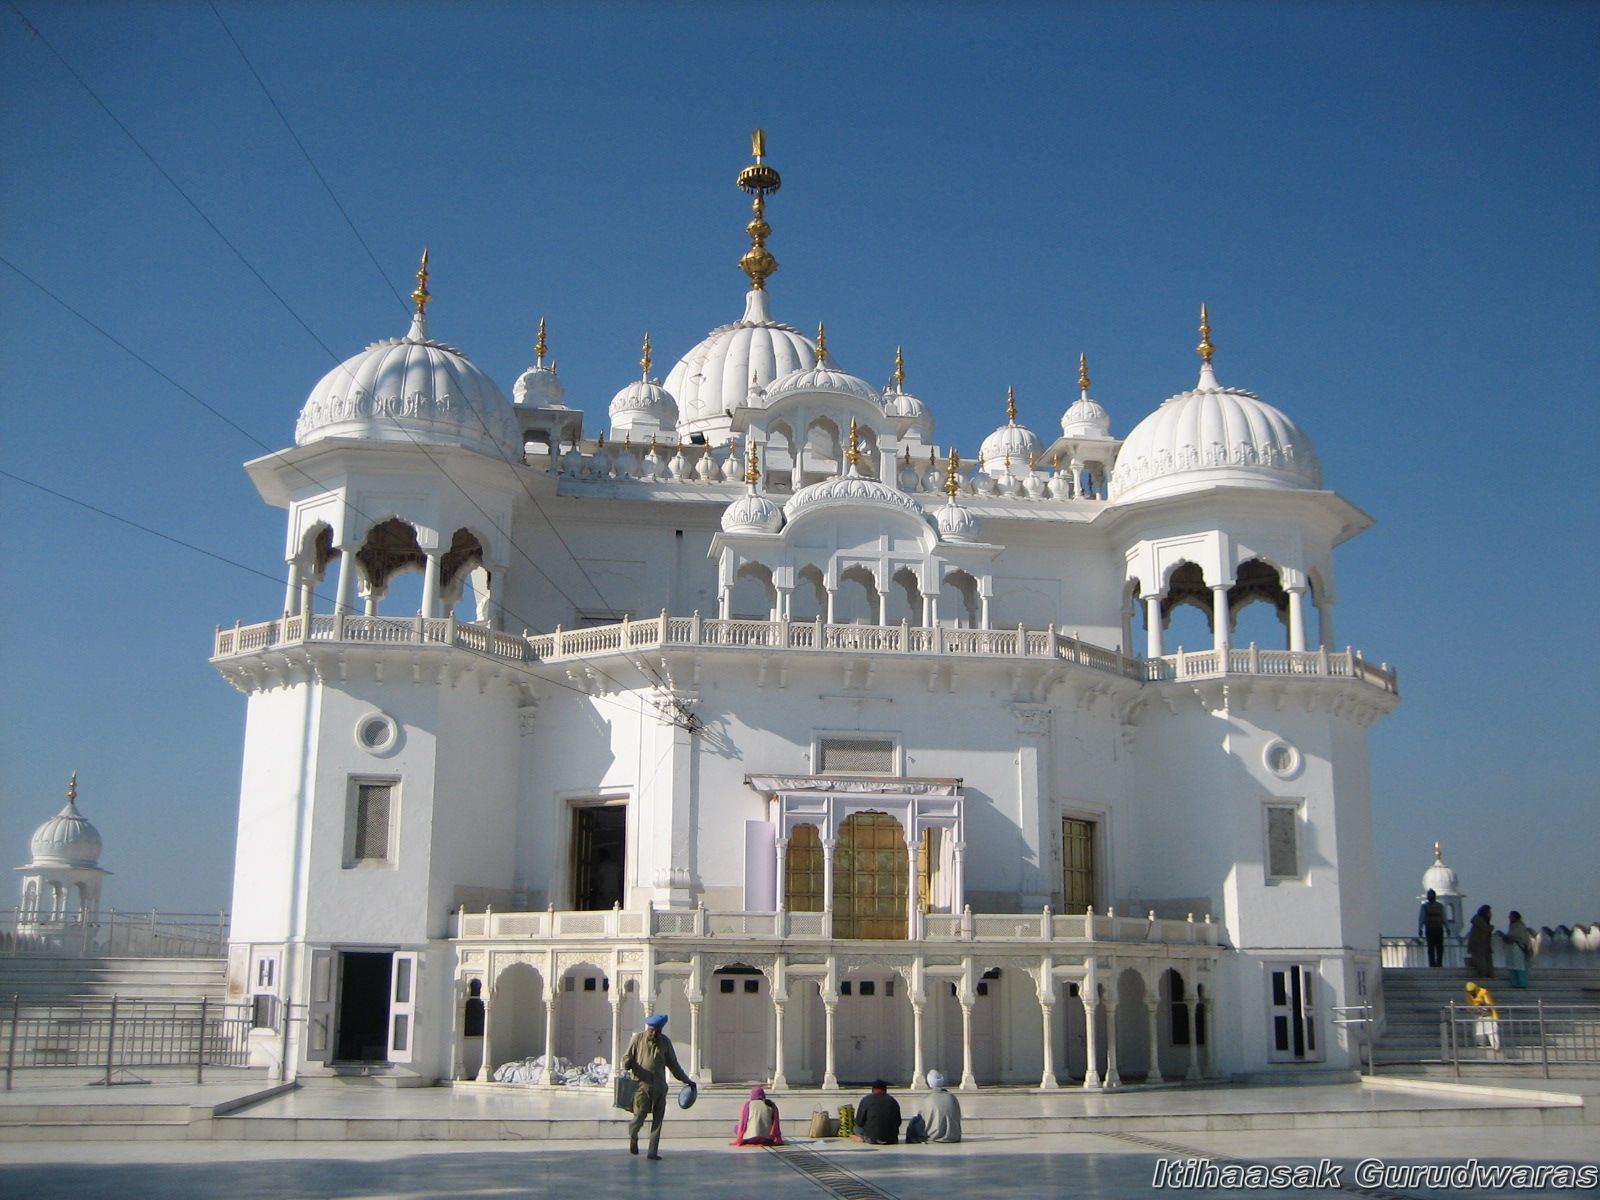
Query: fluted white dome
pixel 1011 441
pixel 851 488
pixel 908 413
pixel 957 523
pixel 645 398
pixel 67 840
pixel 715 377
pixel 411 388
pixel 539 387
pixel 820 377
pixel 1439 878
pixel 1213 435
pixel 1085 418
pixel 752 513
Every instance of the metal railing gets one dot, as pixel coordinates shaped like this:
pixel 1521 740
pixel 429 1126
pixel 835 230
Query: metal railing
pixel 1360 1021
pixel 115 934
pixel 1527 1035
pixel 1569 947
pixel 114 1035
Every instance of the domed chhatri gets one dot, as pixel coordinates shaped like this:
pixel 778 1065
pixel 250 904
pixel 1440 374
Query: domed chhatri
pixel 1213 435
pixel 850 488
pixel 411 389
pixel 67 839
pixel 1085 418
pixel 644 406
pixel 910 415
pixel 956 522
pixel 716 377
pixel 752 512
pixel 539 386
pixel 1016 442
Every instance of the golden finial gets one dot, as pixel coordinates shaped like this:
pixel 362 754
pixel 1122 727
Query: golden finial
pixel 600 442
pixel 855 444
pixel 541 346
pixel 899 369
pixel 646 360
pixel 72 788
pixel 760 181
pixel 627 441
pixel 752 474
pixel 1205 348
pixel 1438 851
pixel 1083 373
pixel 908 456
pixel 1011 405
pixel 652 448
pixel 951 484
pixel 822 344
pixel 421 295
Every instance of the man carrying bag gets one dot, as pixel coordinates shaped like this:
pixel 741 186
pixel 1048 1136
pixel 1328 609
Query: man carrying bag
pixel 649 1057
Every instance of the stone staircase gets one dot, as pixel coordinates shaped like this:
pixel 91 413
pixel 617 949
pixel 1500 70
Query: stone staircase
pixel 40 980
pixel 1414 996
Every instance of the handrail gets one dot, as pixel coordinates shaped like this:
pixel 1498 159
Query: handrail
pixel 786 634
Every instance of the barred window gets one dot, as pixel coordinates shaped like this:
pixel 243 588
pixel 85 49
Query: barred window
pixel 371 823
pixel 1283 841
pixel 856 756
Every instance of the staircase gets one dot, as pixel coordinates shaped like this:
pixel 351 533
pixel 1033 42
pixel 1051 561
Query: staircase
pixel 38 980
pixel 1414 996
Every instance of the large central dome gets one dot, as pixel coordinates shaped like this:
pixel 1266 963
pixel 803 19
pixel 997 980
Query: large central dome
pixel 714 378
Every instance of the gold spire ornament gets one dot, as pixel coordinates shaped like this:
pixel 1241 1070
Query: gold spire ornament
pixel 1083 374
pixel 899 369
pixel 822 344
pixel 72 789
pixel 1205 349
pixel 421 296
pixel 855 445
pixel 1011 406
pixel 646 360
pixel 759 180
pixel 952 485
pixel 752 474
pixel 540 347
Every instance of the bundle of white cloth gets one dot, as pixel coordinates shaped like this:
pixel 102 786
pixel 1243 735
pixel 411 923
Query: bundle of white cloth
pixel 530 1072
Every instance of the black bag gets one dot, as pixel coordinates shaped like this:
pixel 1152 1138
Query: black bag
pixel 623 1088
pixel 917 1129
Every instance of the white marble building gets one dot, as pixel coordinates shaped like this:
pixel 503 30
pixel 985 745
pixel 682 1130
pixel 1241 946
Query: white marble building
pixel 750 702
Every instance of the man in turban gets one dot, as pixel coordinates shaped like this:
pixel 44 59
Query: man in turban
pixel 650 1056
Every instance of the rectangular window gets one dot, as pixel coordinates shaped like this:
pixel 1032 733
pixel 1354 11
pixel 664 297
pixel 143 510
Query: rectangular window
pixel 1283 841
pixel 856 756
pixel 1077 864
pixel 371 823
pixel 263 1012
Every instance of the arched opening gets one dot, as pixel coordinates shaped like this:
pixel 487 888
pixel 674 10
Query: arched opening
pixel 988 999
pixel 810 597
pixel 855 602
pixel 583 1015
pixel 867 442
pixel 1133 1026
pixel 753 597
pixel 871 878
pixel 905 597
pixel 804 874
pixel 777 459
pixel 740 1024
pixel 822 450
pixel 389 551
pixel 1186 610
pixel 959 606
pixel 309 568
pixel 30 899
pixel 1259 607
pixel 463 579
pixel 1179 1028
pixel 472 1030
pixel 1135 620
pixel 515 1029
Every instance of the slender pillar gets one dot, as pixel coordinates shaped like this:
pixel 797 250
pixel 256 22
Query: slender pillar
pixel 1221 633
pixel 913 900
pixel 1297 618
pixel 969 1082
pixel 344 602
pixel 695 1041
pixel 1194 1039
pixel 983 600
pixel 1047 1008
pixel 1208 1069
pixel 488 1018
pixel 308 595
pixel 371 606
pixel 919 1066
pixel 1152 624
pixel 883 607
pixel 778 1078
pixel 958 886
pixel 497 591
pixel 1325 621
pixel 616 1024
pixel 1091 1039
pixel 781 889
pixel 549 1078
pixel 1112 1078
pixel 430 584
pixel 291 594
pixel 830 1081
pixel 830 605
pixel 827 873
pixel 725 602
pixel 1152 1003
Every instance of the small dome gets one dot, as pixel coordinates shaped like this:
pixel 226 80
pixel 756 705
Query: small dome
pixel 715 377
pixel 752 513
pixel 851 488
pixel 908 413
pixel 1085 418
pixel 957 523
pixel 819 378
pixel 645 398
pixel 539 387
pixel 411 388
pixel 1439 879
pixel 1213 435
pixel 67 839
pixel 1011 441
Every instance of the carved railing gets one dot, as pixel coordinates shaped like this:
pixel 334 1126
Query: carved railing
pixel 664 632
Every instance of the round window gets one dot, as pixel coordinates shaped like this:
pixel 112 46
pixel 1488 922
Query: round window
pixel 1282 759
pixel 377 733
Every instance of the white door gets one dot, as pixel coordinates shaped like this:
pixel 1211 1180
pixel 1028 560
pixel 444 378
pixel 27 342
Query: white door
pixel 319 1008
pixel 1292 1013
pixel 584 1013
pixel 402 1007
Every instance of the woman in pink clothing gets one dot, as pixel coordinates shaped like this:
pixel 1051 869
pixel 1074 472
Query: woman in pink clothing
pixel 758 1122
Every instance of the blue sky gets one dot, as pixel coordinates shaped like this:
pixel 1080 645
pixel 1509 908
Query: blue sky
pixel 1390 208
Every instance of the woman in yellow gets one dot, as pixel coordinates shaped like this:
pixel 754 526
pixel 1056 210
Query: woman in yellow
pixel 1488 1024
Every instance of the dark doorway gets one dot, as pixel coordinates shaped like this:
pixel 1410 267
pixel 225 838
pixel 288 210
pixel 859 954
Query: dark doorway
pixel 364 1007
pixel 598 849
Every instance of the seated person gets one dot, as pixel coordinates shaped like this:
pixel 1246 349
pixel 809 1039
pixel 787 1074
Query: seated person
pixel 940 1113
pixel 758 1122
pixel 877 1117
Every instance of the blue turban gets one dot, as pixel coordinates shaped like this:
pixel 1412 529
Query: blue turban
pixel 656 1021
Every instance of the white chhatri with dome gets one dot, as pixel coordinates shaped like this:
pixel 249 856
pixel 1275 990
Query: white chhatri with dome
pixel 740 698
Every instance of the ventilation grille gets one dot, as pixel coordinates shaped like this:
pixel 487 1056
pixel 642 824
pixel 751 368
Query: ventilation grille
pixel 372 822
pixel 853 756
